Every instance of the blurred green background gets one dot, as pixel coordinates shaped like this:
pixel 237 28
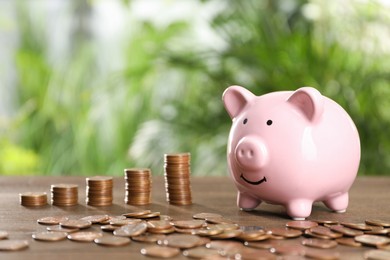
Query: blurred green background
pixel 93 87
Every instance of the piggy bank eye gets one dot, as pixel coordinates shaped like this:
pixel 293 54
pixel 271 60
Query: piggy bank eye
pixel 245 121
pixel 269 122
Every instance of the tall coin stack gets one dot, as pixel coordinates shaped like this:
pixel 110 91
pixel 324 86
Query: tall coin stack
pixel 99 191
pixel 138 186
pixel 64 194
pixel 177 178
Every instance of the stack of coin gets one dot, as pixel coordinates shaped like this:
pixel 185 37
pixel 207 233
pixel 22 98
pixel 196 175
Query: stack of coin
pixel 138 186
pixel 99 191
pixel 33 199
pixel 64 194
pixel 177 178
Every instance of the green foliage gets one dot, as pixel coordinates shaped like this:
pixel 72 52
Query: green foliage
pixel 79 117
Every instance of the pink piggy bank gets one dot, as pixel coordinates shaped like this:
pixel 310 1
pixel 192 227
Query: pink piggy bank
pixel 291 148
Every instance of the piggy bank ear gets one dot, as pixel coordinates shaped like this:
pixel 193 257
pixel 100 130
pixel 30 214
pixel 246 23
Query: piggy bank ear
pixel 235 98
pixel 309 101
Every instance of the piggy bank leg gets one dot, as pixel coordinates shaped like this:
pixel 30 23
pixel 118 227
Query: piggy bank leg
pixel 246 202
pixel 299 209
pixel 338 203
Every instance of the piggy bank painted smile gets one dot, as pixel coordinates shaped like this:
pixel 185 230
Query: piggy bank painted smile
pixel 291 148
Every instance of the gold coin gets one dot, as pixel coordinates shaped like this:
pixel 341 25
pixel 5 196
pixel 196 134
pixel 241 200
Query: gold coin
pixel 309 233
pixel 73 223
pixel 149 215
pixel 51 220
pixel 319 243
pixel 159 224
pixel 112 241
pixel 49 236
pixel 13 245
pixel 84 236
pixel 160 251
pixel 162 231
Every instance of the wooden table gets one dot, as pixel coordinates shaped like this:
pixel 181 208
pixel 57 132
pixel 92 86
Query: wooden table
pixel 369 198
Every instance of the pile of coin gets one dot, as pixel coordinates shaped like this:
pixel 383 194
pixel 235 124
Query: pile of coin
pixel 99 191
pixel 138 186
pixel 33 199
pixel 177 178
pixel 64 194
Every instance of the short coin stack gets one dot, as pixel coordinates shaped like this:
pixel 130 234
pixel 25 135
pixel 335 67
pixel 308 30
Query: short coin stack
pixel 177 178
pixel 99 191
pixel 64 194
pixel 138 186
pixel 33 199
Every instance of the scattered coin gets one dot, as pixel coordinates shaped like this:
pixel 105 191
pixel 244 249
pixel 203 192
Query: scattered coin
pixel 13 244
pixel 358 226
pixel 3 234
pixel 33 199
pixel 377 255
pixel 188 223
pixel 348 241
pixel 84 236
pixel 319 243
pixel 286 232
pixel 288 249
pixel 150 215
pixel 200 252
pixel 180 241
pixel 321 254
pixel 325 231
pixel 301 224
pixel 372 240
pixel 206 215
pixel 378 222
pixel 259 245
pixel 108 228
pixel 160 251
pixel 346 231
pixel 227 234
pixel 123 222
pixel 112 241
pixel 148 238
pixel 49 236
pixel 51 220
pixel 96 218
pixel 58 228
pixel 76 223
pixel 136 214
pixel 131 230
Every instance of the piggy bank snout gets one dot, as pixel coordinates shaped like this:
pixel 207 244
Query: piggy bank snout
pixel 251 153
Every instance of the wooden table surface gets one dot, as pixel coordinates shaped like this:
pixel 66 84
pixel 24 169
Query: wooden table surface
pixel 369 199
